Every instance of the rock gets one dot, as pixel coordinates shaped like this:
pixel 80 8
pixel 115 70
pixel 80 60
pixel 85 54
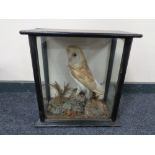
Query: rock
pixel 74 106
pixel 68 106
pixel 96 108
pixel 54 108
pixel 77 108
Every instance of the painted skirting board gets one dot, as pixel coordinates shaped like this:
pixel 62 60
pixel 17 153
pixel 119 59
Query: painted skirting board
pixel 28 86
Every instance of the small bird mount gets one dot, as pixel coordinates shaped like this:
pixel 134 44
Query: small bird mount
pixel 79 75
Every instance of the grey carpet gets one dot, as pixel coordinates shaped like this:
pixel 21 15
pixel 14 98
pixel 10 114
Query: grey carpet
pixel 18 113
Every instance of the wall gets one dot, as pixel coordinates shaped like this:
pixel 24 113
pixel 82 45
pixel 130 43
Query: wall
pixel 15 61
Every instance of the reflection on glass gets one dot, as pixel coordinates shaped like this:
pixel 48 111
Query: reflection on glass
pixel 115 73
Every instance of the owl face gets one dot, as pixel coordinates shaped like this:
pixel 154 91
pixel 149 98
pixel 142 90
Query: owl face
pixel 74 54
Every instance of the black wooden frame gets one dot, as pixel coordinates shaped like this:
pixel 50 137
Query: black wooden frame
pixel 121 76
pixel 36 70
pixel 45 66
pixel 36 73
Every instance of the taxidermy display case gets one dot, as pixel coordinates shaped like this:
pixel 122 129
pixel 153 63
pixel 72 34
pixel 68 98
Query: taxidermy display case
pixel 79 75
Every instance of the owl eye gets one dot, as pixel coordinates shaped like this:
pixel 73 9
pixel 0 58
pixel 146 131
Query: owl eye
pixel 74 54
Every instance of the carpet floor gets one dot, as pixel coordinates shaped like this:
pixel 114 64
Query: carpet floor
pixel 18 113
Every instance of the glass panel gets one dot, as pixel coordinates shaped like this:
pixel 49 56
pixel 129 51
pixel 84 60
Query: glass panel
pixel 73 75
pixel 115 73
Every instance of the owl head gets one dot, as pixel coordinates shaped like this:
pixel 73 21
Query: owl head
pixel 75 54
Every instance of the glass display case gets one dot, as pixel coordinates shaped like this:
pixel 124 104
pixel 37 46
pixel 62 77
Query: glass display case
pixel 79 75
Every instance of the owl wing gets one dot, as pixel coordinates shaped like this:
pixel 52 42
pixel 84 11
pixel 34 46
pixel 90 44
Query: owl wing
pixel 83 75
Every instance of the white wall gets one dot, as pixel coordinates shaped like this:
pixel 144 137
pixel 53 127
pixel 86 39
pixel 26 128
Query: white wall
pixel 15 61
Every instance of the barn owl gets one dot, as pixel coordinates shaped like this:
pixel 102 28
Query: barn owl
pixel 81 73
